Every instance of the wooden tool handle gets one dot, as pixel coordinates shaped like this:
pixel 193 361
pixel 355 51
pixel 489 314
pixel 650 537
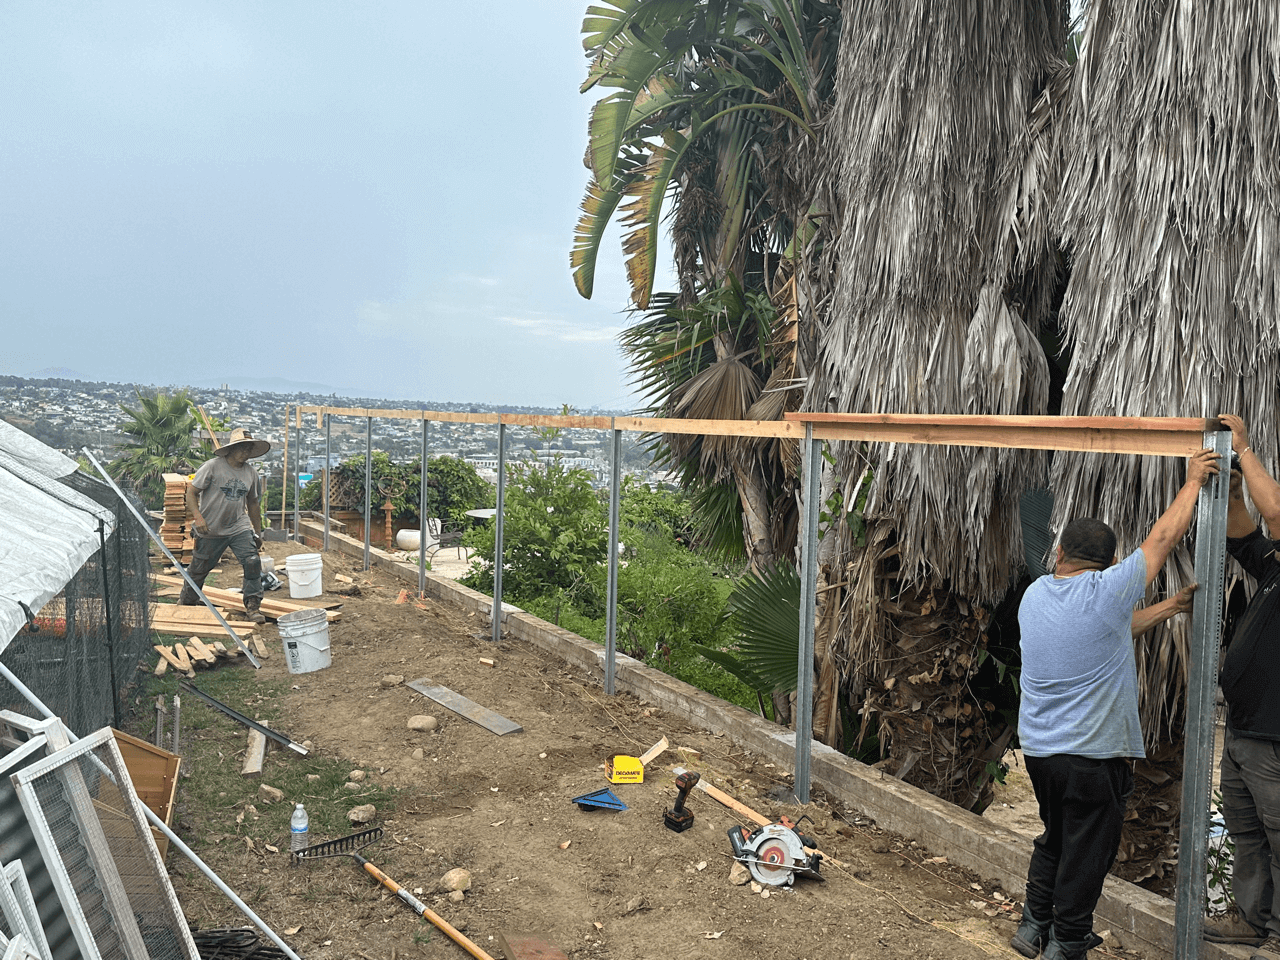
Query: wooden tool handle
pixel 423 910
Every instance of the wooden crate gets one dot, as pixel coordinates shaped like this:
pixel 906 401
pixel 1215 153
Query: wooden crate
pixel 154 773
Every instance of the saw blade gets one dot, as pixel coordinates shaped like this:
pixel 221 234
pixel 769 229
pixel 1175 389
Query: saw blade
pixel 772 863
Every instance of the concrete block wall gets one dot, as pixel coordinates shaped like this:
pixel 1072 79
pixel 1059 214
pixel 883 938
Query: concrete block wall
pixel 1142 920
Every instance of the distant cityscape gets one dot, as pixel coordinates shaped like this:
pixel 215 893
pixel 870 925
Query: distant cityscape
pixel 70 414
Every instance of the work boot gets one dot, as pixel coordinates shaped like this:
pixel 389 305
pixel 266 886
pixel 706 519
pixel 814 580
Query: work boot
pixel 1032 934
pixel 252 606
pixel 1233 928
pixel 1269 949
pixel 1055 949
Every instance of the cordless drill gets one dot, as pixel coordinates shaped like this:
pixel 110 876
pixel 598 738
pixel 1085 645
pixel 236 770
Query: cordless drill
pixel 679 819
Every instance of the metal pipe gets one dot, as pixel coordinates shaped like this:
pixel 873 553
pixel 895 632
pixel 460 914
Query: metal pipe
pixel 328 470
pixel 808 600
pixel 177 720
pixel 497 533
pixel 155 538
pixel 297 480
pixel 611 628
pixel 111 636
pixel 368 485
pixel 422 518
pixel 1202 685
pixel 160 825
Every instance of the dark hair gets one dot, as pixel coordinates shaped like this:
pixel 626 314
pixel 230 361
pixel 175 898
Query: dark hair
pixel 1088 541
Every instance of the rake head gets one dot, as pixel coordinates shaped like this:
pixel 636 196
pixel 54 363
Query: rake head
pixel 342 847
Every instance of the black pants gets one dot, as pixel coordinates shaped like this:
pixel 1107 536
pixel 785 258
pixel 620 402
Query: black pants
pixel 1082 803
pixel 208 552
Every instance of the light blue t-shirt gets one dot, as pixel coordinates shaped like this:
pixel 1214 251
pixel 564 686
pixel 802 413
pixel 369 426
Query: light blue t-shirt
pixel 1079 679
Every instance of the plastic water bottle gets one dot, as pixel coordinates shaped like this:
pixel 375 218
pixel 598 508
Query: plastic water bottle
pixel 298 829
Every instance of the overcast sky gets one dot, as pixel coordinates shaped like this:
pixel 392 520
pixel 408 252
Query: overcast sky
pixel 377 196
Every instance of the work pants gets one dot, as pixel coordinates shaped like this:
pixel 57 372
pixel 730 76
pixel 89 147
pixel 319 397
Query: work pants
pixel 1082 803
pixel 209 551
pixel 1251 808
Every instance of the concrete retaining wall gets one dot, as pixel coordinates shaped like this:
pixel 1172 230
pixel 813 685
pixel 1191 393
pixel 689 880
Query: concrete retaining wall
pixel 1144 921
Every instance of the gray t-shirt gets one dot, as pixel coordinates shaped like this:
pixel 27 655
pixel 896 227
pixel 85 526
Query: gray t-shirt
pixel 1079 680
pixel 223 490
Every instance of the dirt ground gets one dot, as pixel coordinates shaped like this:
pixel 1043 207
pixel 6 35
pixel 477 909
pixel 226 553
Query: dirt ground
pixel 599 885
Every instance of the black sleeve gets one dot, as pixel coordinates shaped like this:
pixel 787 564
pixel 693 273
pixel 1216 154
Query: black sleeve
pixel 1255 553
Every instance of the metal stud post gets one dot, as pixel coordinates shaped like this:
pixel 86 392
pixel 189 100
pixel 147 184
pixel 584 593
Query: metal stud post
pixel 611 629
pixel 368 486
pixel 497 534
pixel 1202 684
pixel 808 599
pixel 328 478
pixel 422 517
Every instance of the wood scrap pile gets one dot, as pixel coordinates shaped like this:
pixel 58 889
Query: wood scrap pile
pixel 175 529
pixel 185 657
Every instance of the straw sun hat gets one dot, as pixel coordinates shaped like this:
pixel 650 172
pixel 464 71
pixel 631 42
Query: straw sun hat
pixel 242 438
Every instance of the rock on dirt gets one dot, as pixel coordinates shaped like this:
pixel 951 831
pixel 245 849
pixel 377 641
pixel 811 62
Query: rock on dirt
pixel 456 880
pixel 418 754
pixel 269 794
pixel 391 680
pixel 739 875
pixel 423 723
pixel 356 776
pixel 363 813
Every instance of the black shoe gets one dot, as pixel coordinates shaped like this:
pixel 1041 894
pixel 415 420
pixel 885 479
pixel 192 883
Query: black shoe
pixel 1057 949
pixel 1032 934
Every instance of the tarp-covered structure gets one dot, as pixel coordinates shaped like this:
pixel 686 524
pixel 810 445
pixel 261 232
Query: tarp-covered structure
pixel 73 585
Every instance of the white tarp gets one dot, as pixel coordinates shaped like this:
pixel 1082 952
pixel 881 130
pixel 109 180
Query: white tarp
pixel 47 530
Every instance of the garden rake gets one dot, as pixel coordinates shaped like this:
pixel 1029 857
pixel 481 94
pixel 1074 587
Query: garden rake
pixel 351 847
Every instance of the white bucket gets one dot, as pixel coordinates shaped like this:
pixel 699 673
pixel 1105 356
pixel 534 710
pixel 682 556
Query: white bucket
pixel 304 571
pixel 305 634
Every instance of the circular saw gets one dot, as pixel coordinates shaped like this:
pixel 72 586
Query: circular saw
pixel 775 853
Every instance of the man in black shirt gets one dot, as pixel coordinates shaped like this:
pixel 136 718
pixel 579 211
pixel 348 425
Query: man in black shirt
pixel 1250 681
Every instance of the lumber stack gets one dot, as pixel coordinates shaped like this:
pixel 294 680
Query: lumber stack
pixel 273 608
pixel 175 529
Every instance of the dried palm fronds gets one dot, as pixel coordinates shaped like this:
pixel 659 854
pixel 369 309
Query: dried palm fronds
pixel 929 291
pixel 1171 210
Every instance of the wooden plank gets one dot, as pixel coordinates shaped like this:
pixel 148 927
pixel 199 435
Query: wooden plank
pixel 1157 436
pixel 563 422
pixel 259 648
pixel 493 722
pixel 712 428
pixel 220 649
pixel 528 946
pixel 200 652
pixel 176 629
pixel 167 656
pixel 174 613
pixel 743 810
pixel 255 754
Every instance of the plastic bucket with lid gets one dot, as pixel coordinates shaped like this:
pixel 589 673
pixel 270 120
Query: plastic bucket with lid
pixel 304 571
pixel 305 634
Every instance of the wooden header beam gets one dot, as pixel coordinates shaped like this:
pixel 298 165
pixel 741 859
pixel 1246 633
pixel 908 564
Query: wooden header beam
pixel 1156 436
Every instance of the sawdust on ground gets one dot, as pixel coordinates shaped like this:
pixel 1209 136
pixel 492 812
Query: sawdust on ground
pixel 600 885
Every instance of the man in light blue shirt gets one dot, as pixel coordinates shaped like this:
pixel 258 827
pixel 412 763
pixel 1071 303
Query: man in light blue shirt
pixel 1078 719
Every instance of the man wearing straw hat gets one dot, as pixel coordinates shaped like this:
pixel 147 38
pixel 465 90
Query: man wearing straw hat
pixel 222 500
